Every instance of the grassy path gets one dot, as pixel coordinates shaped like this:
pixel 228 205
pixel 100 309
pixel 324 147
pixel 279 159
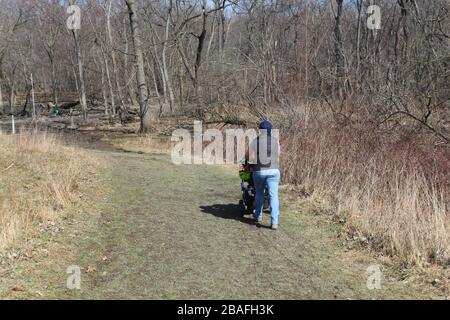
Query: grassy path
pixel 174 232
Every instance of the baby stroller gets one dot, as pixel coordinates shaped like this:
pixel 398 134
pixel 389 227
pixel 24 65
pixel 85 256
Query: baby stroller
pixel 248 191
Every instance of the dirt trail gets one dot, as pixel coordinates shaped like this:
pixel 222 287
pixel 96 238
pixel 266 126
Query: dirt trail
pixel 174 232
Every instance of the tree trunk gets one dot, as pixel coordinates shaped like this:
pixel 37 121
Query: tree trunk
pixel 358 38
pixel 100 63
pixel 81 75
pixel 1 82
pixel 75 77
pixel 194 74
pixel 82 87
pixel 157 60
pixel 109 81
pixel 54 84
pixel 338 50
pixel 113 58
pixel 1 97
pixel 82 90
pixel 164 60
pixel 198 58
pixel 104 93
pixel 131 93
pixel 140 75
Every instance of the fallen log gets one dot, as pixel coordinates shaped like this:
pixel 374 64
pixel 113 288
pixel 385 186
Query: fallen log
pixel 68 105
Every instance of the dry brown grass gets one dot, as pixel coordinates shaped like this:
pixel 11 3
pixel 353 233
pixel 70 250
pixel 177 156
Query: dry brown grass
pixel 392 191
pixel 143 144
pixel 39 177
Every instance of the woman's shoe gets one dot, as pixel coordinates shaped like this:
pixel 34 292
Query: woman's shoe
pixel 274 227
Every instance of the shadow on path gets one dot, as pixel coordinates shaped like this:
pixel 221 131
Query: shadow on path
pixel 230 211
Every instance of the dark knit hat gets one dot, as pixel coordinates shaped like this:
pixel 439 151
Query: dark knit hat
pixel 266 125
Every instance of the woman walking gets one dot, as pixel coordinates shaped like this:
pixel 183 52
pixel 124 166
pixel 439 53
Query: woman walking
pixel 264 154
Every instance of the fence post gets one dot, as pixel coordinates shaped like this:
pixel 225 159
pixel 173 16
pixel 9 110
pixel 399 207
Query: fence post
pixel 72 124
pixel 32 96
pixel 13 125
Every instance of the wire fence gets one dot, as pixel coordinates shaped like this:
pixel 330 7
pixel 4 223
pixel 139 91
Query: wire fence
pixel 15 127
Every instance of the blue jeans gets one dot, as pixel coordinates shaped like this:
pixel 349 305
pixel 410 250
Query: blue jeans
pixel 271 179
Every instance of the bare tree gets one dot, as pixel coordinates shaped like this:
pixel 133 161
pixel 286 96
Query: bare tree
pixel 139 57
pixel 49 31
pixel 81 79
pixel 338 47
pixel 8 28
pixel 282 54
